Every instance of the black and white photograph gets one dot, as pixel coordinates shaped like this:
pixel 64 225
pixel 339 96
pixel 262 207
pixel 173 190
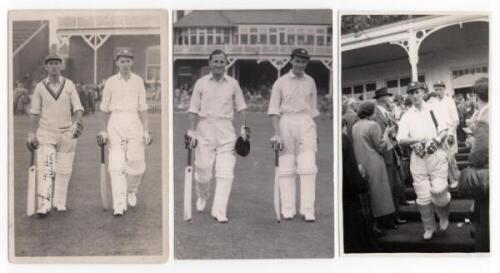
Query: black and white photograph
pixel 415 133
pixel 253 134
pixel 85 141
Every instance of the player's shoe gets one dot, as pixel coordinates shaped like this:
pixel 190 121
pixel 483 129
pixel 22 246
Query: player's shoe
pixel 201 203
pixel 60 208
pixel 221 219
pixel 309 217
pixel 42 211
pixel 428 234
pixel 132 199
pixel 119 212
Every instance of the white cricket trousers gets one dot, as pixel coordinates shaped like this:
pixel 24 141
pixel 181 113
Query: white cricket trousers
pixel 126 155
pixel 55 156
pixel 298 132
pixel 215 150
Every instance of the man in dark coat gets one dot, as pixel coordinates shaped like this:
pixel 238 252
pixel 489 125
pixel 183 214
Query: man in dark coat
pixel 383 118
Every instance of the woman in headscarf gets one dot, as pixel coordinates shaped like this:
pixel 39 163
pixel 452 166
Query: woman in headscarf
pixel 369 145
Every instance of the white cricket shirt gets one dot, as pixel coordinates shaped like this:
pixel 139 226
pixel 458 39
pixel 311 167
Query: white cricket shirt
pixel 120 95
pixel 55 103
pixel 213 98
pixel 293 95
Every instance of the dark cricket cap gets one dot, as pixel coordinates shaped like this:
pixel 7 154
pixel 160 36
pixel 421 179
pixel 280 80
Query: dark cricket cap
pixel 52 57
pixel 124 52
pixel 439 83
pixel 414 86
pixel 302 53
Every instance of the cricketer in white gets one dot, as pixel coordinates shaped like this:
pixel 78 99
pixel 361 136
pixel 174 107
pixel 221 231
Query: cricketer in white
pixel 293 107
pixel 428 162
pixel 126 130
pixel 215 98
pixel 54 106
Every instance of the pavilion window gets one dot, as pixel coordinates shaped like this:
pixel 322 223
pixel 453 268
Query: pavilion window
pixel 404 82
pixel 347 90
pixel 226 37
pixel 370 87
pixel 253 36
pixel 263 39
pixel 273 38
pixel 201 36
pixel 210 36
pixel 282 36
pixel 392 84
pixel 244 39
pixel 192 35
pixel 320 40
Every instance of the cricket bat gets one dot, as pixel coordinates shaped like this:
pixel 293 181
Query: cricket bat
pixel 277 183
pixel 188 187
pixel 104 189
pixel 31 204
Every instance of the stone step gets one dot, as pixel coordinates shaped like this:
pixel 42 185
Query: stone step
pixel 459 210
pixel 463 150
pixel 462 157
pixel 462 164
pixel 408 238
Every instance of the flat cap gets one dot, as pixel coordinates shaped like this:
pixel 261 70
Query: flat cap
pixel 302 53
pixel 52 57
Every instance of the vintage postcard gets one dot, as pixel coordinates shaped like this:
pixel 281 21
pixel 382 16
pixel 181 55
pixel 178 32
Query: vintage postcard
pixel 415 132
pixel 252 106
pixel 88 170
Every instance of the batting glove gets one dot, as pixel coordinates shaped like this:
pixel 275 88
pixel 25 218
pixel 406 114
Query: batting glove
pixel 147 138
pixel 419 149
pixel 190 140
pixel 102 138
pixel 245 132
pixel 76 129
pixel 32 142
pixel 276 143
pixel 431 146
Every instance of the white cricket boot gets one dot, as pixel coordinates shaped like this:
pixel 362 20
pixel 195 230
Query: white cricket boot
pixel 427 215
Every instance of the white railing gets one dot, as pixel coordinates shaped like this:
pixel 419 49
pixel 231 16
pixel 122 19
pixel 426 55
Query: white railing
pixel 106 21
pixel 250 49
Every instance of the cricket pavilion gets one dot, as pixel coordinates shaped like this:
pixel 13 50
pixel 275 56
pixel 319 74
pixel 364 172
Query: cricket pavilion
pixel 87 42
pixel 393 50
pixel 258 44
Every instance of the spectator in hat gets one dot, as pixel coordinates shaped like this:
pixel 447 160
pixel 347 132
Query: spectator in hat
pixel 384 119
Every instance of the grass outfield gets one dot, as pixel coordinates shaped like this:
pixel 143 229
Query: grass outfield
pixel 85 229
pixel 252 231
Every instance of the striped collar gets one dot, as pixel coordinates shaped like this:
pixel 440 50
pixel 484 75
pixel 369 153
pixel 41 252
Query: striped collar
pixel 54 93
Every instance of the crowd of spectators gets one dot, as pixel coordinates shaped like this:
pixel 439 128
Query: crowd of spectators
pixel 256 97
pixel 368 213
